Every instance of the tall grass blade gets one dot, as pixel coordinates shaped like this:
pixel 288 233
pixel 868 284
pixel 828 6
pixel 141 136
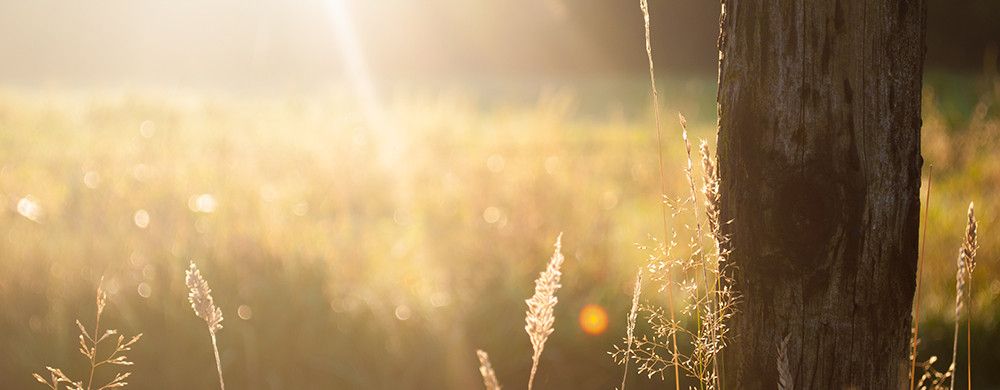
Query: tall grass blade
pixel 644 6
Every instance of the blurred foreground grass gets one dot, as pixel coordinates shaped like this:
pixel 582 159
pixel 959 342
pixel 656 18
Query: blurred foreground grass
pixel 354 256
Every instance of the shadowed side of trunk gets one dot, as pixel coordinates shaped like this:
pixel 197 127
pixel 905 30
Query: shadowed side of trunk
pixel 819 156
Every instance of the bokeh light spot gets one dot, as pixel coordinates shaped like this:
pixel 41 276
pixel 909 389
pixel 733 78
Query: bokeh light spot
pixel 202 203
pixel 440 299
pixel 593 319
pixel 144 290
pixel 245 312
pixel 491 214
pixel 28 207
pixel 91 179
pixel 403 312
pixel 141 218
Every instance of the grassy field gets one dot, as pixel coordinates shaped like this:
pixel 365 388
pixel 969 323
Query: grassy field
pixel 351 255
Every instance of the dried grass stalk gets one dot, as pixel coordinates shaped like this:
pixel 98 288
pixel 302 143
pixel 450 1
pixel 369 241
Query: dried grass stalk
pixel 932 379
pixel 963 279
pixel 200 296
pixel 540 318
pixel 630 324
pixel 707 281
pixel 710 190
pixel 486 369
pixel 644 7
pixel 89 346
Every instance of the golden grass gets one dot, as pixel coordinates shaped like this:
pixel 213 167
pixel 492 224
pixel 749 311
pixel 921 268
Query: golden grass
pixel 644 6
pixel 932 379
pixel 90 341
pixel 702 274
pixel 963 278
pixel 966 264
pixel 540 318
pixel 272 214
pixel 486 370
pixel 200 296
pixel 630 325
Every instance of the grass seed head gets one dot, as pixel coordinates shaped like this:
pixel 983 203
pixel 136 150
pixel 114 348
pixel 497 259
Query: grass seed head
pixel 200 296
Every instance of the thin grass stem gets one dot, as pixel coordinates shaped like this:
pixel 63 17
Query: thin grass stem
pixel 644 5
pixel 968 339
pixel 218 362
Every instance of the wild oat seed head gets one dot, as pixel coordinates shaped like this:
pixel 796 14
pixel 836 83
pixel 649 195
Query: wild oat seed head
pixel 200 296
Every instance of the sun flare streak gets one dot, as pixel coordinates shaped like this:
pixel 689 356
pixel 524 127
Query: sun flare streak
pixel 361 82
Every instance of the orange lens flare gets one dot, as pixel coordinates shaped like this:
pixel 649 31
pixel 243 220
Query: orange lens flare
pixel 593 319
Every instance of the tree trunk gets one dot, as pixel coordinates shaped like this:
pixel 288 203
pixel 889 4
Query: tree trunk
pixel 819 156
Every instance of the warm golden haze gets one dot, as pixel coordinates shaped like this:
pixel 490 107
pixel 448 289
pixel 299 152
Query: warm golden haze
pixel 520 194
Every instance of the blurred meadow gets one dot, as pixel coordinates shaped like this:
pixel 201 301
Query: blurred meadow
pixel 362 246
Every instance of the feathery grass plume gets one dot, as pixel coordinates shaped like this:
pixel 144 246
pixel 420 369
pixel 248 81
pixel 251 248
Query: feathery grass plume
pixel 700 261
pixel 711 301
pixel 713 205
pixel 702 275
pixel 486 369
pixel 630 327
pixel 644 6
pixel 916 293
pixel 539 318
pixel 200 296
pixel 785 379
pixel 89 345
pixel 963 278
pixel 652 352
pixel 696 248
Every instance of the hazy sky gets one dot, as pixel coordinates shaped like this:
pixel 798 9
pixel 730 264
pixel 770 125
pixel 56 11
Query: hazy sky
pixel 234 43
pixel 292 44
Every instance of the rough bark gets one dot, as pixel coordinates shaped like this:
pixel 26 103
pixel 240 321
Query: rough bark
pixel 819 155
